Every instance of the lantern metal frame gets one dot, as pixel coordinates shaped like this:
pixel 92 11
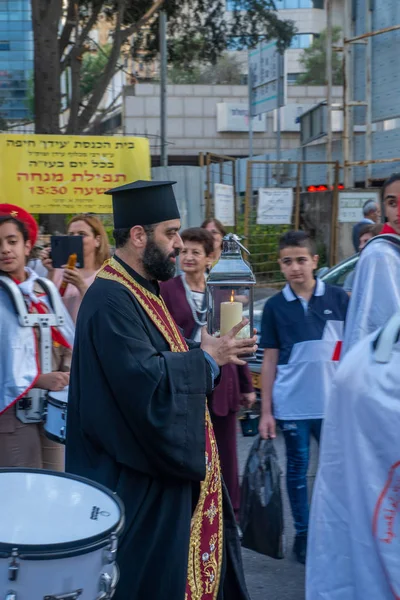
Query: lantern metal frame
pixel 230 272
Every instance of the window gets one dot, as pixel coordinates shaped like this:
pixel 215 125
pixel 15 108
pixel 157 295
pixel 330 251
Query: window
pixel 4 46
pixel 292 78
pixel 236 43
pixel 302 40
pixel 235 5
pixel 287 4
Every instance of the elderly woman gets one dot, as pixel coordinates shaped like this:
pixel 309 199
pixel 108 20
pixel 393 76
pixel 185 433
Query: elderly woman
pixel 185 298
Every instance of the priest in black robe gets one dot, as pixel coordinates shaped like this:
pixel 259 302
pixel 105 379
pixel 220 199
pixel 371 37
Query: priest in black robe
pixel 138 421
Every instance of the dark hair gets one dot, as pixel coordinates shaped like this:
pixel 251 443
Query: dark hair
pixel 218 225
pixel 297 239
pixel 201 236
pixel 367 228
pixel 20 226
pixel 392 179
pixel 377 229
pixel 121 236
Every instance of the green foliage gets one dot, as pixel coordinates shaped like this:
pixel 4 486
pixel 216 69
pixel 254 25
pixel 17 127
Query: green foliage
pixel 199 30
pixel 226 71
pixel 180 75
pixel 314 61
pixel 93 65
pixel 263 244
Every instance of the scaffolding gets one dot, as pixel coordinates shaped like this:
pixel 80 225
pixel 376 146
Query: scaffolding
pixel 348 101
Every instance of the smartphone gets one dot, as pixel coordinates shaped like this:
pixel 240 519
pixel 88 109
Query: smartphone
pixel 62 246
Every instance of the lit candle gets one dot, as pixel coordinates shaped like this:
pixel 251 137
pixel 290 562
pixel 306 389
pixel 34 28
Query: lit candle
pixel 231 314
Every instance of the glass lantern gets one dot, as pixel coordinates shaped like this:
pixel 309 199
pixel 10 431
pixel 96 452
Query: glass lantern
pixel 230 291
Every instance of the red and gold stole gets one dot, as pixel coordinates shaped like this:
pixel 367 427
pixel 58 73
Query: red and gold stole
pixel 206 532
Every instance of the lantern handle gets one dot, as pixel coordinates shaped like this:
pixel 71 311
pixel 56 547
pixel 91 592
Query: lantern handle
pixel 236 239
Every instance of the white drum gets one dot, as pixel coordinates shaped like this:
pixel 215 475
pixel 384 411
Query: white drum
pixel 58 537
pixel 55 419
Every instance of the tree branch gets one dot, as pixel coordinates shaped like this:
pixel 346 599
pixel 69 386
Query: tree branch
pixel 142 21
pixel 68 27
pixel 99 89
pixel 78 45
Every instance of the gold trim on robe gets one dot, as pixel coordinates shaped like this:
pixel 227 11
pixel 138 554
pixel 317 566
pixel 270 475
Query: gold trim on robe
pixel 206 530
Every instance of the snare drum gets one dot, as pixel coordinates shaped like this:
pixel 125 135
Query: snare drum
pixel 55 425
pixel 58 537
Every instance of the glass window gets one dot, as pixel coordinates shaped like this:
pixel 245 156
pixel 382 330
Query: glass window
pixel 302 40
pixel 292 78
pixel 18 4
pixel 4 46
pixel 287 4
pixel 19 55
pixel 235 5
pixel 15 15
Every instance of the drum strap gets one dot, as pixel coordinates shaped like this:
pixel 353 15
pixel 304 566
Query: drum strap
pixel 29 409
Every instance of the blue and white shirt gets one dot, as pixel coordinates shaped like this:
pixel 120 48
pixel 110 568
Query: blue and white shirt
pixel 308 336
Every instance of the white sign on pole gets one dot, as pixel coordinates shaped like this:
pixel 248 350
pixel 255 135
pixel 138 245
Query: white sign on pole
pixel 224 203
pixel 351 205
pixel 267 72
pixel 275 206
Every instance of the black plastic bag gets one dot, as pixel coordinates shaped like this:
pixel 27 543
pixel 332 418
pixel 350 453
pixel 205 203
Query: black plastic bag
pixel 261 511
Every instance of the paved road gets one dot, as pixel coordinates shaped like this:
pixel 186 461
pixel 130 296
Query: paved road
pixel 270 579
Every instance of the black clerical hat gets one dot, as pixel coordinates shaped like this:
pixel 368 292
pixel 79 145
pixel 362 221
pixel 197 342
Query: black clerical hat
pixel 143 203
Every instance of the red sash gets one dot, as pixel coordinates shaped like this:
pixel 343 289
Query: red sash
pixel 206 531
pixel 42 309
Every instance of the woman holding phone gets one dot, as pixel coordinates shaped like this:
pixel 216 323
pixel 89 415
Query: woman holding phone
pixel 95 251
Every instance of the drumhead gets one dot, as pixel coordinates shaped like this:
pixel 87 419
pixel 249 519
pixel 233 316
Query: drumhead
pixel 55 510
pixel 58 398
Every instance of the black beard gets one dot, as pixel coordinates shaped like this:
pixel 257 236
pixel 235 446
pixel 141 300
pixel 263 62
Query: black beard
pixel 158 266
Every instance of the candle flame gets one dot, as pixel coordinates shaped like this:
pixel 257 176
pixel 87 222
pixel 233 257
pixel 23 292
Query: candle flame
pixel 232 296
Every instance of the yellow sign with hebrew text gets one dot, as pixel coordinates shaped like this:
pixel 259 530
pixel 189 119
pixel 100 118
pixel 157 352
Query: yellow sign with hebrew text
pixel 64 174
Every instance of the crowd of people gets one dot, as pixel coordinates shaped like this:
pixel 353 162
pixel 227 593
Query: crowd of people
pixel 151 393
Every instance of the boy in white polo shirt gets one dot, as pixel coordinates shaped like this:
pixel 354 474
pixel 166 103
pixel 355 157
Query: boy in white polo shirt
pixel 301 332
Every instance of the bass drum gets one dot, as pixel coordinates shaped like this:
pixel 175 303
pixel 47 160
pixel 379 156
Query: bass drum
pixel 59 539
pixel 55 416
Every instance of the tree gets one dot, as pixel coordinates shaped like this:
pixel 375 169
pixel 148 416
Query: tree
pixel 93 65
pixel 314 61
pixel 227 71
pixel 60 50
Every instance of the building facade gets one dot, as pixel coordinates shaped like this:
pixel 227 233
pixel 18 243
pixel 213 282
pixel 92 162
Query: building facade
pixel 213 118
pixel 16 60
pixel 309 17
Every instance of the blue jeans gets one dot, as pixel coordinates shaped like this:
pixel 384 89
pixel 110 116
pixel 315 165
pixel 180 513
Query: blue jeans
pixel 297 440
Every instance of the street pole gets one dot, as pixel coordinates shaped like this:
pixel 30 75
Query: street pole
pixel 163 88
pixel 250 93
pixel 329 89
pixel 278 120
pixel 368 95
pixel 347 93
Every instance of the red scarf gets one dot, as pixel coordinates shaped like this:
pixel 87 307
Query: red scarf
pixel 388 229
pixel 42 309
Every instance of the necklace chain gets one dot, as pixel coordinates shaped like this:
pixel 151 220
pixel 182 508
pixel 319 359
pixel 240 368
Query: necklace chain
pixel 191 302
